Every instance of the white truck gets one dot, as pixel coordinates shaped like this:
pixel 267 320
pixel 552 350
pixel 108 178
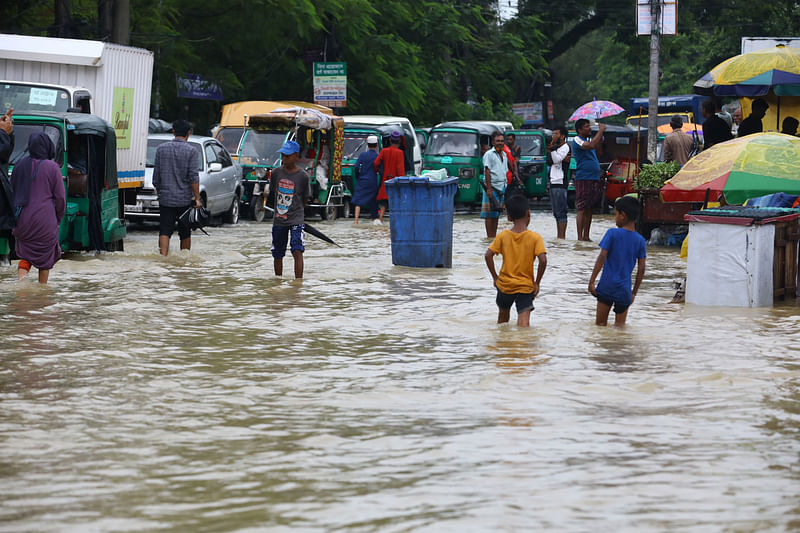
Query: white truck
pixel 104 79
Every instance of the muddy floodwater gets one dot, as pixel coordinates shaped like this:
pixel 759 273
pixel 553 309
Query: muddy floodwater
pixel 200 393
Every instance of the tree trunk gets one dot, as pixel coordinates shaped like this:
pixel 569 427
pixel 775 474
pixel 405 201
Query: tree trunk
pixel 61 26
pixel 121 29
pixel 104 19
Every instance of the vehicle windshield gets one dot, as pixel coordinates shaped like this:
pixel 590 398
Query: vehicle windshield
pixel 261 147
pixel 530 144
pixel 452 143
pixel 354 144
pixel 32 98
pixel 230 137
pixel 23 132
pixel 152 144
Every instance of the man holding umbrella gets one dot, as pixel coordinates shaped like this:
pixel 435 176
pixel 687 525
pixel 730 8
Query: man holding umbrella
pixel 589 176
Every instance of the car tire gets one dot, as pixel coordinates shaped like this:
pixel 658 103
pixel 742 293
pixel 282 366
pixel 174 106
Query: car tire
pixel 329 212
pixel 257 210
pixel 232 216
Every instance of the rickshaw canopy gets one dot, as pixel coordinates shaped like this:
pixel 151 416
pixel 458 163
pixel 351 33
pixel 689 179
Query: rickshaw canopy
pixel 233 114
pixel 85 124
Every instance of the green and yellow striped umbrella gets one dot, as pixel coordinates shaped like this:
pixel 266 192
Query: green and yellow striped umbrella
pixel 751 166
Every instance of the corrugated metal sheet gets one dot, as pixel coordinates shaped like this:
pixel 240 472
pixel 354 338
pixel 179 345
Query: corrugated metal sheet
pixel 127 67
pixel 97 66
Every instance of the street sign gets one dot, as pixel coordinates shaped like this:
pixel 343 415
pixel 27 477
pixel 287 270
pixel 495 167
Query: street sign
pixel 330 84
pixel 196 86
pixel 531 112
pixel 669 17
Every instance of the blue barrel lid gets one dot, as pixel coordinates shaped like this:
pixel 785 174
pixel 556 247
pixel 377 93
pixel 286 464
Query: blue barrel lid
pixel 419 180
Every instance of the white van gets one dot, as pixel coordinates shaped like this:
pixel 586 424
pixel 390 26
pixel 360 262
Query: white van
pixel 383 120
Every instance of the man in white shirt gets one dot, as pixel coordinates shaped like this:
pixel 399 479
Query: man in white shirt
pixel 495 166
pixel 558 159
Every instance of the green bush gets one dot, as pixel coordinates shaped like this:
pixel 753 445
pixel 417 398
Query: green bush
pixel 653 176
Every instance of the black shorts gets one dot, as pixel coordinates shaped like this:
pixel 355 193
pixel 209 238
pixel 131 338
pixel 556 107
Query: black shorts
pixel 618 307
pixel 523 300
pixel 167 217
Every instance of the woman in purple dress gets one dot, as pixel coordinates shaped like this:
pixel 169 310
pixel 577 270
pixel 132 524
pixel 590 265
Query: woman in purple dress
pixel 40 201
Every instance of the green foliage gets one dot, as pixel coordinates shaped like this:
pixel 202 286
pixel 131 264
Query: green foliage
pixel 430 60
pixel 654 176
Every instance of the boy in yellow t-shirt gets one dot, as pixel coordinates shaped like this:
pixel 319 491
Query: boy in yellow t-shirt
pixel 519 247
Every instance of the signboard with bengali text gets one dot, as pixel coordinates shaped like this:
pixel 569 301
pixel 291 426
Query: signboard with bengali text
pixel 330 84
pixel 531 112
pixel 669 17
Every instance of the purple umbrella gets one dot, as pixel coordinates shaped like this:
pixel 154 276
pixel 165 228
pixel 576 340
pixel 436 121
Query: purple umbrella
pixel 596 109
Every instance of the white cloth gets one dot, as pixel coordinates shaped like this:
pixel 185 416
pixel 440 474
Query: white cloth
pixel 556 172
pixel 498 166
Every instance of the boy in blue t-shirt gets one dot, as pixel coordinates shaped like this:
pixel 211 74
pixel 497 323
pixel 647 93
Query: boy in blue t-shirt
pixel 621 248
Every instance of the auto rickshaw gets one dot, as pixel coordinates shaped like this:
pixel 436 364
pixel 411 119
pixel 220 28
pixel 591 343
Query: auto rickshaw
pixel 458 147
pixel 321 140
pixel 532 163
pixel 355 143
pixel 86 152
pixel 422 136
pixel 233 119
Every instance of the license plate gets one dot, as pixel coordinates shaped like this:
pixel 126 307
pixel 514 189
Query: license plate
pixel 134 208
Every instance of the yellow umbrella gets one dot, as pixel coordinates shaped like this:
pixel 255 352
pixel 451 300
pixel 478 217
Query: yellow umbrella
pixel 754 73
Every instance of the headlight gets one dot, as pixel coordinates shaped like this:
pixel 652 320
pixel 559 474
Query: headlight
pixel 261 172
pixel 466 173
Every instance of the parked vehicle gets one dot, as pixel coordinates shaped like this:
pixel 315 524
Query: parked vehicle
pixel 321 140
pixel 256 150
pixel 401 122
pixel 533 167
pixel 109 80
pixel 234 119
pixel 220 180
pixel 458 147
pixel 86 152
pixel 422 137
pixel 355 142
pixel 686 105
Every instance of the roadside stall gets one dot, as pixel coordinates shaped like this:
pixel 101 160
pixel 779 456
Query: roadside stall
pixel 742 256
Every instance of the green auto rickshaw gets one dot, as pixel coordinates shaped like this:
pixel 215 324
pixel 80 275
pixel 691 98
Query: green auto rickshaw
pixel 86 152
pixel 355 143
pixel 458 147
pixel 533 169
pixel 321 140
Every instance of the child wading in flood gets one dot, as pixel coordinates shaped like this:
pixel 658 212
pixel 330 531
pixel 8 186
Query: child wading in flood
pixel 621 248
pixel 519 247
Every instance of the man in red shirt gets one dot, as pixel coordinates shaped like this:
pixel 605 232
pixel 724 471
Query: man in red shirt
pixel 393 160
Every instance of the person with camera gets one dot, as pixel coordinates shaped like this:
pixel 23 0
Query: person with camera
pixel 177 183
pixel 558 158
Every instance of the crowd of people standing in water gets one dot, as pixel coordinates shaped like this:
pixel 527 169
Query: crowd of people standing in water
pixel 39 203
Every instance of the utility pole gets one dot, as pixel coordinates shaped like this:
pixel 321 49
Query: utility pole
pixel 652 112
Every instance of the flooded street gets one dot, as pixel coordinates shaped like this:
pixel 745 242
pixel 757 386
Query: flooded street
pixel 201 393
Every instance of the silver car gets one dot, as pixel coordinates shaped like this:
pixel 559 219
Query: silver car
pixel 220 180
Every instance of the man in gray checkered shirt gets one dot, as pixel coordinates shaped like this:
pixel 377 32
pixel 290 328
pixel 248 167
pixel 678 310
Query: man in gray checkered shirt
pixel 176 180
